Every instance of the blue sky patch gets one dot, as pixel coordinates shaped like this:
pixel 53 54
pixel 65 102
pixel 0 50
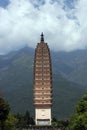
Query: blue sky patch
pixel 4 3
pixel 70 3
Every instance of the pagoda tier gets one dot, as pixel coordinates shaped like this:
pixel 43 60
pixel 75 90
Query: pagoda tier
pixel 42 76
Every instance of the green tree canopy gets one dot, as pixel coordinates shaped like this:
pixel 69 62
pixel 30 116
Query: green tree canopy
pixel 4 111
pixel 10 122
pixel 79 119
pixel 28 119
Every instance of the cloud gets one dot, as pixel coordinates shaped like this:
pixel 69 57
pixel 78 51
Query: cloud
pixel 64 26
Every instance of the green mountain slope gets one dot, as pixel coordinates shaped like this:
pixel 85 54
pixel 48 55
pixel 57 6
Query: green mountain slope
pixel 16 80
pixel 65 96
pixel 72 65
pixel 80 75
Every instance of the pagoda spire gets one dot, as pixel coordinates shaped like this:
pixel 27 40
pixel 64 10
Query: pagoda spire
pixel 42 37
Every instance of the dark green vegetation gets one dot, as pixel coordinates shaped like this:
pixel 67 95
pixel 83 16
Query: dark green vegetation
pixel 79 118
pixel 9 121
pixel 16 80
pixel 24 120
pixel 4 111
pixel 60 123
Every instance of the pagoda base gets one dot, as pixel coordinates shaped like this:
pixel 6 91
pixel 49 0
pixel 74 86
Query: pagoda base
pixel 43 116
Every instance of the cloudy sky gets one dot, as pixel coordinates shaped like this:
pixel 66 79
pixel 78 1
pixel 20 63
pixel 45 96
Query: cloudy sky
pixel 63 22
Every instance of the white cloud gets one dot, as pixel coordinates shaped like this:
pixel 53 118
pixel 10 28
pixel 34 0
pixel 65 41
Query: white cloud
pixel 22 22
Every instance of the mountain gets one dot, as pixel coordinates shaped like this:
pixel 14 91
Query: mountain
pixel 72 65
pixel 16 81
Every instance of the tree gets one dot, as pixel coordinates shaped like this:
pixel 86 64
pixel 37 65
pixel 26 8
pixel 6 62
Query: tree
pixel 28 119
pixel 79 119
pixel 24 120
pixel 54 121
pixel 10 122
pixel 4 111
pixel 20 120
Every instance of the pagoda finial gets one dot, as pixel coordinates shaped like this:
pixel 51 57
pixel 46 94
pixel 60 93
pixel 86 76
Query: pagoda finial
pixel 42 37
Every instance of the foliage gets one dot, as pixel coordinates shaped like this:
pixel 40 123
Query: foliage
pixel 4 111
pixel 79 119
pixel 20 121
pixel 61 123
pixel 24 120
pixel 10 122
pixel 28 119
pixel 54 121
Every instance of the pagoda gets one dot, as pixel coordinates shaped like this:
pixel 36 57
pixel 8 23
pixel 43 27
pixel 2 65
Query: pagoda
pixel 42 83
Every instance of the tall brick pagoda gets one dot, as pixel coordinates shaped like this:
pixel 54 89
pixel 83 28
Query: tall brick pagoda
pixel 42 83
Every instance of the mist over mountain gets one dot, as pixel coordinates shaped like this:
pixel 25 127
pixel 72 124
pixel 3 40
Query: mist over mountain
pixel 69 80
